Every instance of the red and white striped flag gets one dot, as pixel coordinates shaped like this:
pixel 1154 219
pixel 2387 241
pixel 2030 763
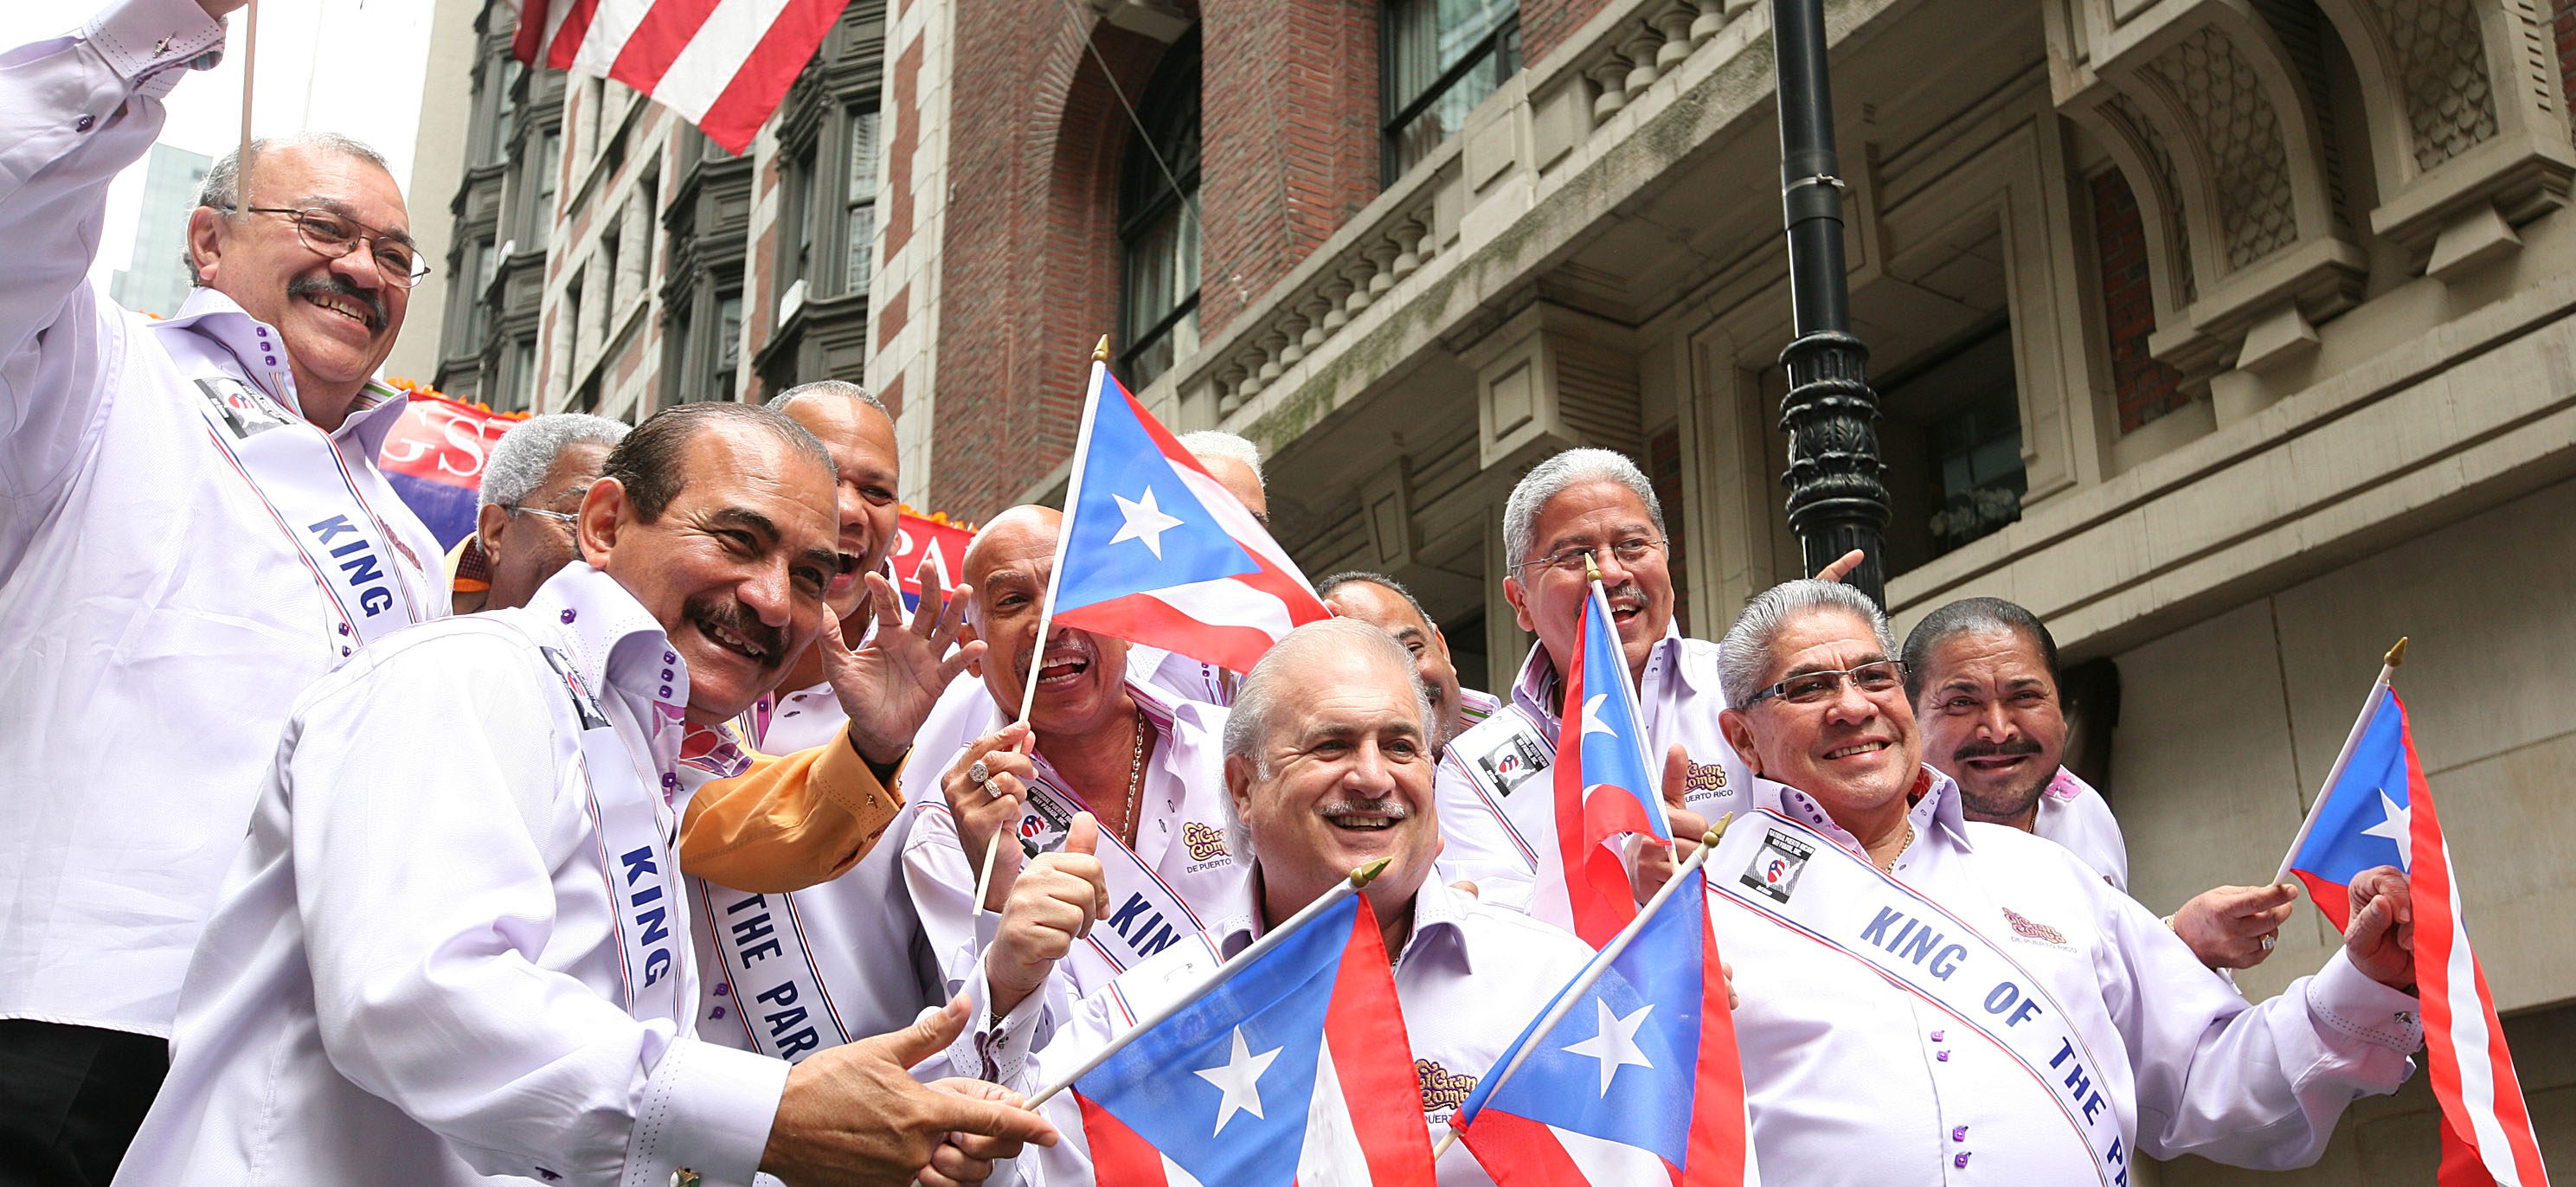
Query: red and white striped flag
pixel 721 64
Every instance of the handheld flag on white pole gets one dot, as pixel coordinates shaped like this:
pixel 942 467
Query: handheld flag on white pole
pixel 2334 774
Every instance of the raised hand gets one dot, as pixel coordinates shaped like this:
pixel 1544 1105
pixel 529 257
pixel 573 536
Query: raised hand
pixel 2381 937
pixel 2234 927
pixel 854 1114
pixel 888 686
pixel 983 809
pixel 1052 905
pixel 1842 566
pixel 1655 863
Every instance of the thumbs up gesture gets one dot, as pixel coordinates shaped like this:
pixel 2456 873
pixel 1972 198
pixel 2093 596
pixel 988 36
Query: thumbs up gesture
pixel 1655 864
pixel 1052 904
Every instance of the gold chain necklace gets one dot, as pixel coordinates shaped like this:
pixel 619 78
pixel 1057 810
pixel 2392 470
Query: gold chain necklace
pixel 1889 866
pixel 1135 779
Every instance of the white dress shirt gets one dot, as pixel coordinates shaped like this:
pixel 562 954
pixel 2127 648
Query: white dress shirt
pixel 416 973
pixel 1504 761
pixel 1177 677
pixel 1180 839
pixel 1471 977
pixel 2072 814
pixel 155 617
pixel 1853 1081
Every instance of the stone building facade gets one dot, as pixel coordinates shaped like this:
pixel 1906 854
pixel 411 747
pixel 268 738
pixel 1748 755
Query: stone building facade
pixel 2235 337
pixel 606 257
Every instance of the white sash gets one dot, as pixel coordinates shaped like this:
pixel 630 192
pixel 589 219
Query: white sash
pixel 1146 915
pixel 1792 876
pixel 759 943
pixel 638 854
pixel 295 472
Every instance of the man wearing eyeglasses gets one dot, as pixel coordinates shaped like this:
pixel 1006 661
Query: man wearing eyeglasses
pixel 192 529
pixel 1580 505
pixel 531 496
pixel 1925 996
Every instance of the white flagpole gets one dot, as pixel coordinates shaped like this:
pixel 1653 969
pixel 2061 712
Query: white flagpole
pixel 1650 762
pixel 1046 607
pixel 2334 775
pixel 250 61
pixel 1591 974
pixel 1343 889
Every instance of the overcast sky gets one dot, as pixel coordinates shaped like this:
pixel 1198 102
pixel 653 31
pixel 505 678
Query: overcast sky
pixel 350 66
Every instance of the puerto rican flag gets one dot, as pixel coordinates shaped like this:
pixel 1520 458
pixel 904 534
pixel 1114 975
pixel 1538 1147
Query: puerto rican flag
pixel 1636 1082
pixel 1295 1069
pixel 2379 812
pixel 1153 551
pixel 720 64
pixel 1609 791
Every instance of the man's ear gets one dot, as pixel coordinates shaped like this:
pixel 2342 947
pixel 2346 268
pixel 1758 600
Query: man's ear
pixel 1238 781
pixel 489 522
pixel 1518 595
pixel 1738 729
pixel 604 508
pixel 205 243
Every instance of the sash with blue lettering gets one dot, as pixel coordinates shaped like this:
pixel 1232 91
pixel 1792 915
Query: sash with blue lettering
pixel 295 472
pixel 1145 914
pixel 759 945
pixel 1794 877
pixel 630 813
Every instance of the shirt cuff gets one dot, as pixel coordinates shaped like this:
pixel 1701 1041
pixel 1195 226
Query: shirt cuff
pixel 141 38
pixel 843 776
pixel 2345 1001
pixel 707 1109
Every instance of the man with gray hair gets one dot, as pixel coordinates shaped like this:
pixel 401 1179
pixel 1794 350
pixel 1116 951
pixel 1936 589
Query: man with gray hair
pixel 1920 991
pixel 1580 508
pixel 193 528
pixel 532 488
pixel 1327 768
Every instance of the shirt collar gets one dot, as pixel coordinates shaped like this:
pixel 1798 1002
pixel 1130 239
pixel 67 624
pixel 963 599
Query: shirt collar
pixel 1539 678
pixel 1439 923
pixel 616 643
pixel 1936 808
pixel 2065 788
pixel 252 343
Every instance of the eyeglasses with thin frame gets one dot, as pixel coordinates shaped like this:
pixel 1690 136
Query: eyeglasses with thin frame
pixel 563 517
pixel 332 236
pixel 1812 688
pixel 1630 553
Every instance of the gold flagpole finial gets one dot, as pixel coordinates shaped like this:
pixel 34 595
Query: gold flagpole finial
pixel 1100 353
pixel 1716 831
pixel 1368 873
pixel 1591 567
pixel 2397 654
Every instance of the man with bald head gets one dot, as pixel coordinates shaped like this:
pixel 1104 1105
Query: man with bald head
pixel 1098 740
pixel 193 527
pixel 1382 602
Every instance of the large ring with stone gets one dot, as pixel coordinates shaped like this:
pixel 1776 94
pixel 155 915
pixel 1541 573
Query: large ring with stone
pixel 979 774
pixel 2269 942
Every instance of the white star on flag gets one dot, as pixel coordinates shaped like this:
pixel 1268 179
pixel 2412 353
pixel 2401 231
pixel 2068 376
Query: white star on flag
pixel 1145 522
pixel 2393 824
pixel 1238 1079
pixel 1592 723
pixel 1616 1043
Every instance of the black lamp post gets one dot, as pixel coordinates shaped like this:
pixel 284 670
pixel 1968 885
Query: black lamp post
pixel 1837 501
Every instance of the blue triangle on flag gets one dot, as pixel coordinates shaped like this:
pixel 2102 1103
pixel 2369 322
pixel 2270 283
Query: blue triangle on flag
pixel 1136 525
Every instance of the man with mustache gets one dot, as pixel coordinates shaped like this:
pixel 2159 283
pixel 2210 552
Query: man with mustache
pixel 1981 674
pixel 1595 505
pixel 1923 995
pixel 1327 768
pixel 456 944
pixel 1381 602
pixel 532 489
pixel 1098 740
pixel 193 527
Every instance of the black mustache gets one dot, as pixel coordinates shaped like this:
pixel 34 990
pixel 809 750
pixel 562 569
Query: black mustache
pixel 1995 750
pixel 333 284
pixel 730 615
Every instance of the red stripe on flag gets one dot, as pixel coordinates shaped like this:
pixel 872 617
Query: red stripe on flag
pixel 1596 881
pixel 2333 901
pixel 657 39
pixel 1519 1152
pixel 2437 931
pixel 576 25
pixel 1119 1154
pixel 1365 1029
pixel 1143 616
pixel 531 34
pixel 1718 1136
pixel 746 102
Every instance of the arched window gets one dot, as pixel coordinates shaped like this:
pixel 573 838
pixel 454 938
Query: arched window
pixel 1158 222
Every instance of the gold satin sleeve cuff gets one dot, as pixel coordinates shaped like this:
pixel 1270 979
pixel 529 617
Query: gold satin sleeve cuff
pixel 789 822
